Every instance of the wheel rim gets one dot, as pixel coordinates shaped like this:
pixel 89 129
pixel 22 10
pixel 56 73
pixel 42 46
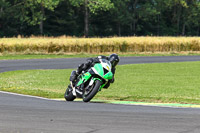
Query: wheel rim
pixel 88 92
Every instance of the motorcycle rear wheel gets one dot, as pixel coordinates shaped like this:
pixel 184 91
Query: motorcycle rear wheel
pixel 93 92
pixel 68 94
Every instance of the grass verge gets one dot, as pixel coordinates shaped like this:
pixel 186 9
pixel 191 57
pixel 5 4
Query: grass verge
pixel 164 82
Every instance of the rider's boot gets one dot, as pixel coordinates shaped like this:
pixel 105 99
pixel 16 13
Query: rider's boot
pixel 76 73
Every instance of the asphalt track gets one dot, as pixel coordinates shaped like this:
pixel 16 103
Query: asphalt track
pixel 22 114
pixel 10 65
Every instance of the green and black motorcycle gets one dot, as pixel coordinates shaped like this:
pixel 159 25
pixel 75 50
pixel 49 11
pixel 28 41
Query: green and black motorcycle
pixel 90 82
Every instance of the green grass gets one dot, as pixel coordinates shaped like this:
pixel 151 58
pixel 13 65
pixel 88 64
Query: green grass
pixel 42 56
pixel 81 55
pixel 164 82
pixel 44 83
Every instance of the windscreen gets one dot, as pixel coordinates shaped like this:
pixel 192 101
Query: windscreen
pixel 106 61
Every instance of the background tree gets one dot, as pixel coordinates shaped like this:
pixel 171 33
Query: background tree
pixel 35 11
pixel 99 17
pixel 91 6
pixel 121 15
pixel 192 18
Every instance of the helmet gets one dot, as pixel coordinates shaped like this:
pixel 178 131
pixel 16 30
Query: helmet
pixel 114 59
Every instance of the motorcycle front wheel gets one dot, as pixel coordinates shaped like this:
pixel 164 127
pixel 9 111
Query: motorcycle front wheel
pixel 88 95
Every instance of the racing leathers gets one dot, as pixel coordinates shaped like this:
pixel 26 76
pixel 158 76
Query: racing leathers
pixel 88 64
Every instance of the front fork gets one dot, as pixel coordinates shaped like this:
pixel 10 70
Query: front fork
pixel 73 89
pixel 94 79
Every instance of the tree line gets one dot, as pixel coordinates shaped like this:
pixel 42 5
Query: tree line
pixel 100 18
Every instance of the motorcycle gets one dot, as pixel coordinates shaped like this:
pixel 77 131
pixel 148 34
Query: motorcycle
pixel 89 82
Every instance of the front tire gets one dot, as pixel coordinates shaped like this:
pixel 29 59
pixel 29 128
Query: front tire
pixel 90 95
pixel 69 95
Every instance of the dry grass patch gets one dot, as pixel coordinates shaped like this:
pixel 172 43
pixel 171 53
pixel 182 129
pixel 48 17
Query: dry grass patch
pixel 64 45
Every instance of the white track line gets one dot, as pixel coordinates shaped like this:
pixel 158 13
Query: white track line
pixel 37 97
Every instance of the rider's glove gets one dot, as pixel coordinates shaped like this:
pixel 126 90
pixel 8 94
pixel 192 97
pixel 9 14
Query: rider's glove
pixel 96 60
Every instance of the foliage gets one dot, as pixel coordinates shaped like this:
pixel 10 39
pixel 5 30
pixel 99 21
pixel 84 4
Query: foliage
pixel 32 7
pixel 107 17
pixel 94 5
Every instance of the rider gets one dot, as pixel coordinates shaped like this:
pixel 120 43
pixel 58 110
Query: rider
pixel 113 58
